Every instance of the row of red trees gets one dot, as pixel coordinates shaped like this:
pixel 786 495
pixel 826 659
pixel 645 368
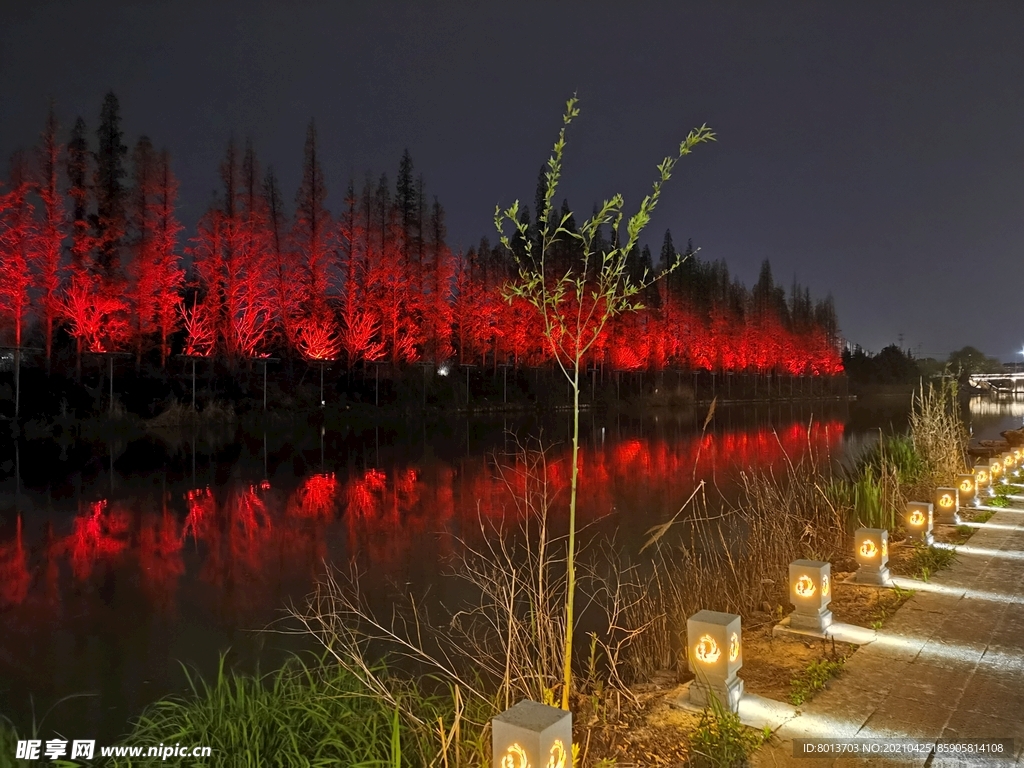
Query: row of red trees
pixel 83 251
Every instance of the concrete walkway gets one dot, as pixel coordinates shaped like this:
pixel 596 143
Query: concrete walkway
pixel 949 664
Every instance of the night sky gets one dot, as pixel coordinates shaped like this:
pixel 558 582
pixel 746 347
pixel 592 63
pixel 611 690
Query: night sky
pixel 874 150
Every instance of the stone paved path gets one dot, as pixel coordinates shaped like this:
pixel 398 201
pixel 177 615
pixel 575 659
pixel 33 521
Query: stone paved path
pixel 949 664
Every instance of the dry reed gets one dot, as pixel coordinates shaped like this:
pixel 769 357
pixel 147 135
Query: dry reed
pixel 938 431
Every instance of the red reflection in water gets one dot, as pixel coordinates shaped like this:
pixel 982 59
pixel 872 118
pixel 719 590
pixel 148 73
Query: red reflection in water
pixel 250 539
pixel 14 574
pixel 159 545
pixel 317 497
pixel 99 534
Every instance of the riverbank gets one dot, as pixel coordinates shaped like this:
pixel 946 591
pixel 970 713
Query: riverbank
pixel 212 390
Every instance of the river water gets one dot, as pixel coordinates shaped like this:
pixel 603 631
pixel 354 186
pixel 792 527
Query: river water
pixel 171 550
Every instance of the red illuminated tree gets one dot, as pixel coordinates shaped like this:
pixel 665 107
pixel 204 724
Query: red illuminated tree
pixel 17 243
pixel 169 274
pixel 17 240
pixel 98 320
pixel 230 258
pixel 360 326
pixel 312 236
pixel 51 234
pixel 143 287
pixel 437 282
pixel 281 262
pixel 392 293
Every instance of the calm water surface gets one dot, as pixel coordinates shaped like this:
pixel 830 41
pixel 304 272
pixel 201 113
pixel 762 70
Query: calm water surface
pixel 163 552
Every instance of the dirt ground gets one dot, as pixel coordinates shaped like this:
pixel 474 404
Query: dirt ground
pixel 655 732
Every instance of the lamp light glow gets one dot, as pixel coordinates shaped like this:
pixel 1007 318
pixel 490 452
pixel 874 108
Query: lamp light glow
pixel 918 520
pixel 947 505
pixel 967 487
pixel 805 587
pixel 708 651
pixel 871 548
pixel 810 586
pixel 715 655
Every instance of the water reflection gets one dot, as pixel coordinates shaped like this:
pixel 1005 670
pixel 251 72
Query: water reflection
pixel 107 594
pixel 989 415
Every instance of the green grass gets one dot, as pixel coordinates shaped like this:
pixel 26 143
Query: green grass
pixel 302 715
pixel 868 501
pixel 894 451
pixel 984 516
pixel 929 560
pixel 813 679
pixel 720 740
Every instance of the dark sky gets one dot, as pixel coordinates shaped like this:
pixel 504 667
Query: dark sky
pixel 874 150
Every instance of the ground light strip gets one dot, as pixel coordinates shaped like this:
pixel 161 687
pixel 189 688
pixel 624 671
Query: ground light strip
pixel 944 589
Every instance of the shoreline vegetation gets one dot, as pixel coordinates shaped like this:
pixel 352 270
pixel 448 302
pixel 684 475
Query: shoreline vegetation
pixel 153 398
pixel 418 687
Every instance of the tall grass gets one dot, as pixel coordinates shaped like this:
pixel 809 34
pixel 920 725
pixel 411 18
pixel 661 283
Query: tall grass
pixel 302 715
pixel 938 432
pixel 735 560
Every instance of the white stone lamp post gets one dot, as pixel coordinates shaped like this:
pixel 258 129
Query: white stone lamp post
pixel 1009 464
pixel 715 654
pixel 966 488
pixel 918 521
pixel 995 468
pixel 531 735
pixel 810 592
pixel 871 548
pixel 982 478
pixel 946 502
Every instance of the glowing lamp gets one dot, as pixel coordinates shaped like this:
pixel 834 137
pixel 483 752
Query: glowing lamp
pixel 946 502
pixel 871 548
pixel 995 468
pixel 532 735
pixel 715 654
pixel 982 477
pixel 1018 454
pixel 1009 463
pixel 966 488
pixel 918 521
pixel 810 592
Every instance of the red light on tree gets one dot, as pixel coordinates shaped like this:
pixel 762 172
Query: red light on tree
pixel 318 338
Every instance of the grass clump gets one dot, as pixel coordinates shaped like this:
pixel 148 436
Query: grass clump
pixel 720 740
pixel 1002 495
pixel 984 516
pixel 302 715
pixel 814 679
pixel 929 560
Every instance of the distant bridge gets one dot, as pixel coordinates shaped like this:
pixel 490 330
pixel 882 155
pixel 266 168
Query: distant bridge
pixel 1000 382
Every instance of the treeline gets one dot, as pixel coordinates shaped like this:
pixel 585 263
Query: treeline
pixel 895 366
pixel 93 260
